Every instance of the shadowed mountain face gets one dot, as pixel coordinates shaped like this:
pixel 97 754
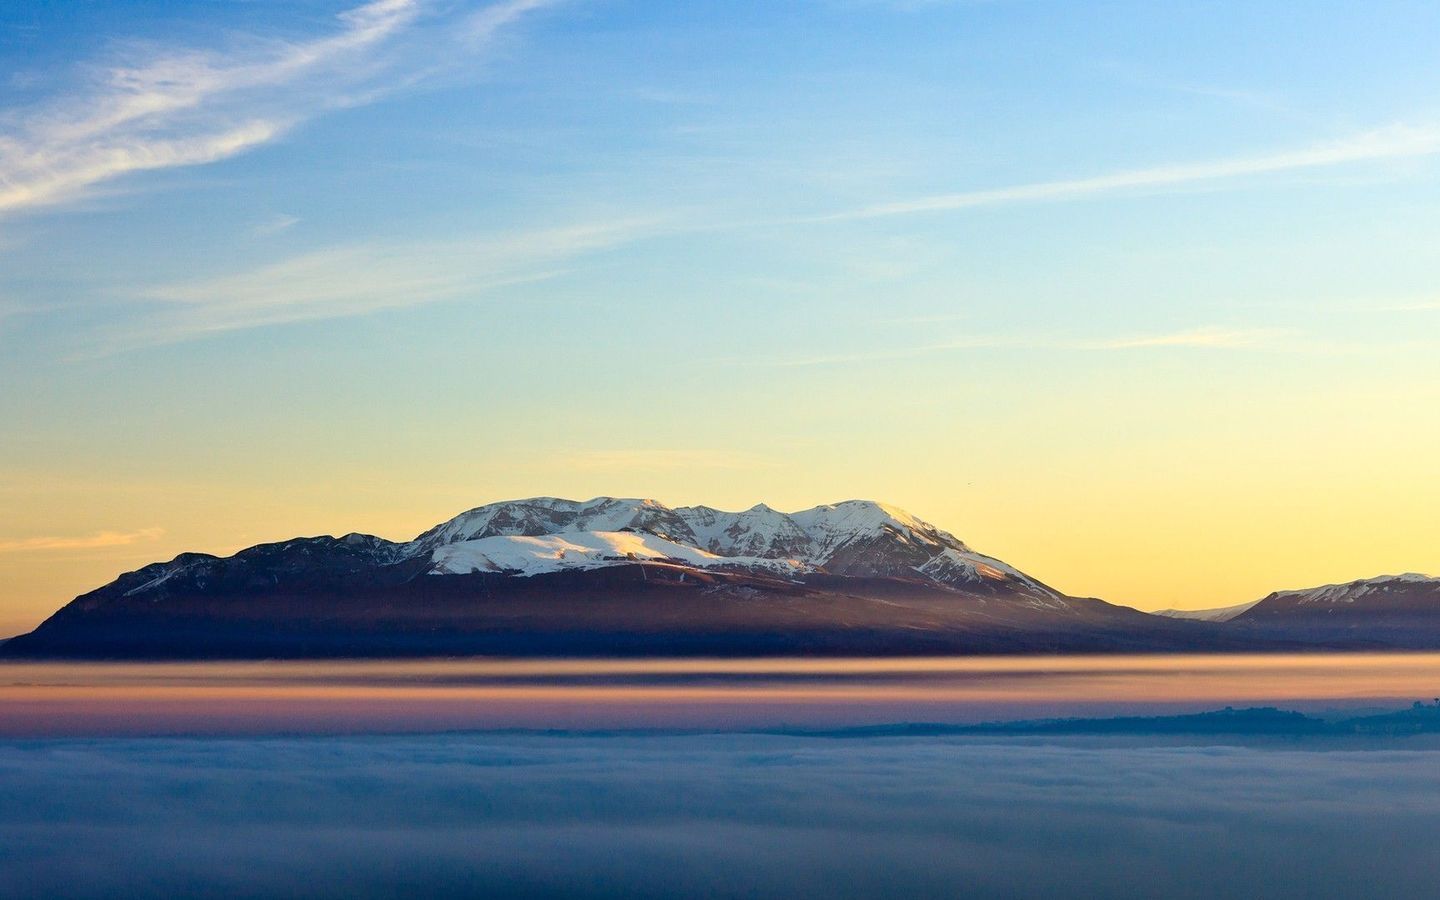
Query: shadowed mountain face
pixel 607 576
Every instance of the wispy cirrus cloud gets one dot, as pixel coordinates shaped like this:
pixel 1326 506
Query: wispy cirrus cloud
pixel 172 107
pixel 275 225
pixel 362 278
pixel 1392 143
pixel 98 540
pixel 161 107
pixel 482 24
pixel 1197 338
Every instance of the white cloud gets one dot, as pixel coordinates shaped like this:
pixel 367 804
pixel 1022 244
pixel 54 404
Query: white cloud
pixel 1395 142
pixel 184 107
pixel 484 24
pixel 275 225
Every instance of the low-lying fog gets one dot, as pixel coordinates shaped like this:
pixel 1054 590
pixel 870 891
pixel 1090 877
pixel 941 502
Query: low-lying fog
pixel 710 815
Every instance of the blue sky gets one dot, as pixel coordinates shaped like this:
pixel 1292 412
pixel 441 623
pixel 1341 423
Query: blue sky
pixel 1047 274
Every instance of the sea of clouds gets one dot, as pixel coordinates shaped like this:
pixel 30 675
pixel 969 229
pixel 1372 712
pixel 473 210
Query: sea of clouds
pixel 711 815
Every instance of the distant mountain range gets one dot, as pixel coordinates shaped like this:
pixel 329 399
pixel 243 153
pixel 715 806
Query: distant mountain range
pixel 614 576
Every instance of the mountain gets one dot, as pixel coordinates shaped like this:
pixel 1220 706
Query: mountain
pixel 608 576
pixel 1395 611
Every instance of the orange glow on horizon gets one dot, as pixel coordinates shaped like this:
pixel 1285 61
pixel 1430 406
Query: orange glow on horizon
pixel 42 698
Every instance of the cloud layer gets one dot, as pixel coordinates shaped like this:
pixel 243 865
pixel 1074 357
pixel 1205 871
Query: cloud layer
pixel 711 815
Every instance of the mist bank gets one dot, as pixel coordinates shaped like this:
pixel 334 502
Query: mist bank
pixel 712 815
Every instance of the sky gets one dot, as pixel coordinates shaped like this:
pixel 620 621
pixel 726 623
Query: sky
pixel 1142 298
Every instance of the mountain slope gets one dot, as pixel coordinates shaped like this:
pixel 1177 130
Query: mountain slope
pixel 604 576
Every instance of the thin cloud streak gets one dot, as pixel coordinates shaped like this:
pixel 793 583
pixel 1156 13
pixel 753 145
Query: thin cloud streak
pixel 1395 142
pixel 182 107
pixel 484 24
pixel 99 540
pixel 365 278
pixel 1199 338
pixel 275 225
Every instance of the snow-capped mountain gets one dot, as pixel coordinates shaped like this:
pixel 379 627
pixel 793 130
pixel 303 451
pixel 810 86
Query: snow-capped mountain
pixel 616 576
pixel 603 576
pixel 546 535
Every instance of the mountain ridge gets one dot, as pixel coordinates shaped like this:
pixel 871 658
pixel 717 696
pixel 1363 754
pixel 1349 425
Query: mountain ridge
pixel 606 575
pixel 547 575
